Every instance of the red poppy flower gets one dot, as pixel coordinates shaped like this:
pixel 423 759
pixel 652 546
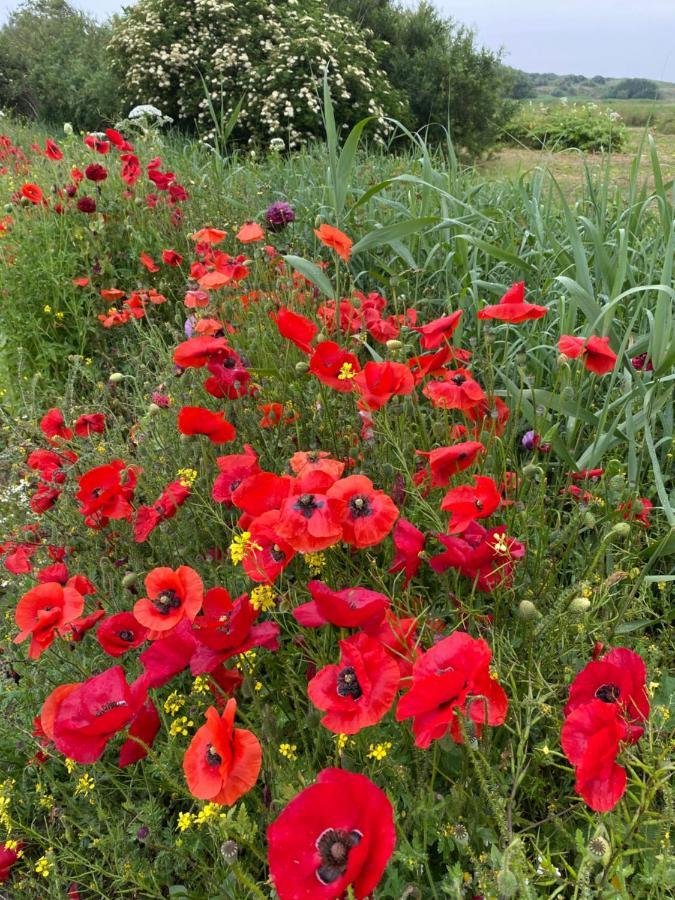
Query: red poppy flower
pixel 429 363
pixel 95 143
pixel 618 678
pixel 260 493
pixel 444 462
pixel 196 352
pixel 96 173
pixel 307 521
pixel 171 258
pixel 172 596
pixel 491 415
pixel 453 675
pixel 105 493
pixel 591 738
pixel 209 236
pixel 513 308
pixel 250 233
pixel 44 611
pixel 164 659
pixel 377 383
pixel 83 281
pixel 470 502
pixel 639 510
pixel 9 856
pixel 222 762
pixel 52 150
pixel 117 140
pixel 365 514
pixel 359 691
pixel 50 464
pixel 485 556
pixel 144 726
pixel 94 712
pixel 86 205
pixel 90 424
pixel 32 193
pixel 595 352
pixel 306 461
pixel 273 415
pixel 457 390
pixel 342 316
pixel 77 629
pixel 409 544
pixel 197 420
pixel 334 366
pixel 148 262
pixel 440 330
pixel 335 834
pixel 233 470
pixel 120 633
pixel 198 300
pixel 399 639
pixel 353 607
pixel 267 555
pixel 335 239
pixel 166 506
pixel 296 328
pixel 52 425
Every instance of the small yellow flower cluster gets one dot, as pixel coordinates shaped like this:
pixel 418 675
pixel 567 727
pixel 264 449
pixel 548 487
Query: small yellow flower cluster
pixel 379 751
pixel 263 597
pixel 315 562
pixel 184 821
pixel 187 477
pixel 663 711
pixel 288 750
pixel 247 661
pixel 210 811
pixel 181 725
pixel 43 867
pixel 241 545
pixel 46 308
pixel 14 845
pixel 200 685
pixel 174 703
pixel 341 742
pixel 5 820
pixel 258 686
pixel 346 372
pixel 70 765
pixel 85 785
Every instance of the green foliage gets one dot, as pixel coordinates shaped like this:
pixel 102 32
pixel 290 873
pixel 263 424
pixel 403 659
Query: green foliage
pixel 54 65
pixel 272 54
pixel 634 89
pixel 561 126
pixel 436 66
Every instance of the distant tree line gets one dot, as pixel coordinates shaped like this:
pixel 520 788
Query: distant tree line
pixel 528 85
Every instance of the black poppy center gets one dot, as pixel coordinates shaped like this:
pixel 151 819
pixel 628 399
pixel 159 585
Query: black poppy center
pixel 334 846
pixel 277 554
pixel 608 693
pixel 348 684
pixel 459 380
pixel 166 601
pixel 212 757
pixel 126 635
pixel 306 505
pixel 360 507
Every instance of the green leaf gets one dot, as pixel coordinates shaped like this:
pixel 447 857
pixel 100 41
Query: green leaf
pixel 311 271
pixel 627 627
pixel 395 232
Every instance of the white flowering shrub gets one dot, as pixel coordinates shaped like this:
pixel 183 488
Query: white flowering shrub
pixel 273 53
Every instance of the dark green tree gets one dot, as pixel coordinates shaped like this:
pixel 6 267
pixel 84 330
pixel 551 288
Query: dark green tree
pixel 633 89
pixel 54 65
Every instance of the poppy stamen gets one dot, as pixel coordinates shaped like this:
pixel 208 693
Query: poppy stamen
pixel 359 507
pixel 348 684
pixel 126 635
pixel 166 601
pixel 608 693
pixel 212 757
pixel 107 707
pixel 306 505
pixel 334 846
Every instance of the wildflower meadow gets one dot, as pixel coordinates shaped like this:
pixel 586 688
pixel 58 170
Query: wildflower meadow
pixel 336 521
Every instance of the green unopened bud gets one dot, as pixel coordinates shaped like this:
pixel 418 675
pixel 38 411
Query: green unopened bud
pixel 568 393
pixel 521 358
pixel 129 579
pixel 8 207
pixel 388 470
pixel 527 610
pixel 507 884
pixel 589 519
pixel 617 483
pixel 394 344
pixel 153 409
pixel 621 529
pixel 67 128
pixel 598 849
pixel 580 605
pixel 302 366
pixel 532 471
pixel 321 337
pixel 116 377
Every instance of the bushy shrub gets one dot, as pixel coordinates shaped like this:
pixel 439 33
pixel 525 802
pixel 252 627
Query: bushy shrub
pixel 439 70
pixel 54 66
pixel 272 54
pixel 634 89
pixel 561 126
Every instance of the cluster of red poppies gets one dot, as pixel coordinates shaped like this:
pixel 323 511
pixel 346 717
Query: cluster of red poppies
pixel 338 832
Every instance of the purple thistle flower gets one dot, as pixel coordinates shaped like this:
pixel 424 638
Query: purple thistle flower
pixel 279 215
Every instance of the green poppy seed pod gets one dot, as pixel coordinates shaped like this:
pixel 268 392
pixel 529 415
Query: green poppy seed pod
pixel 621 529
pixel 507 884
pixel 317 222
pixel 527 610
pixel 532 471
pixel 67 128
pixel 521 358
pixel 617 483
pixel 589 519
pixel 321 337
pixel 580 605
pixel 598 849
pixel 460 834
pixel 302 366
pixel 116 377
pixel 8 207
pixel 129 579
pixel 394 344
pixel 153 409
pixel 229 851
pixel 568 393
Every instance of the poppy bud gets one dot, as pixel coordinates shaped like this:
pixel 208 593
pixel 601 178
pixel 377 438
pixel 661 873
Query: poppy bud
pixel 67 128
pixel 580 605
pixel 589 519
pixel 394 344
pixel 388 470
pixel 521 358
pixel 568 393
pixel 598 647
pixel 116 377
pixel 129 579
pixel 598 849
pixel 153 409
pixel 321 337
pixel 302 366
pixel 527 610
pixel 621 529
pixel 617 483
pixel 532 471
pixel 507 884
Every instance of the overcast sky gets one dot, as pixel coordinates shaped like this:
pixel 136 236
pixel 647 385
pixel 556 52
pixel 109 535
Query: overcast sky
pixel 585 37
